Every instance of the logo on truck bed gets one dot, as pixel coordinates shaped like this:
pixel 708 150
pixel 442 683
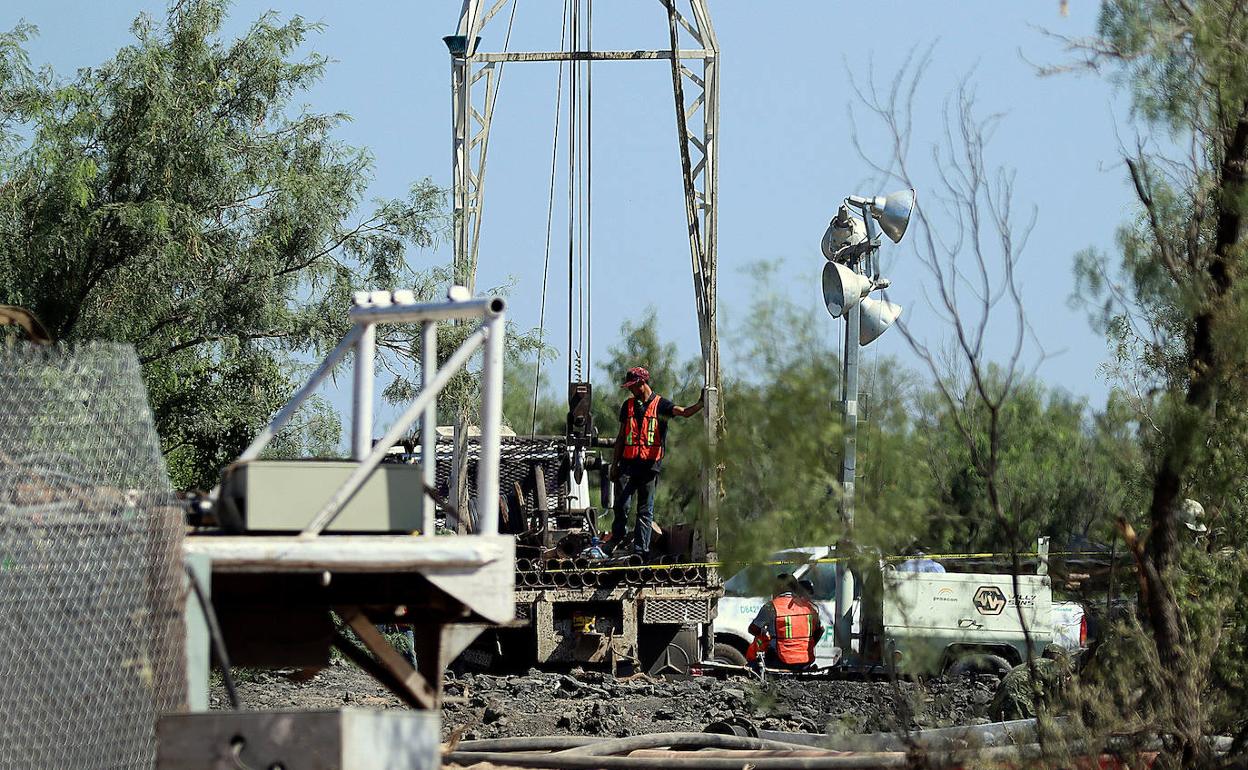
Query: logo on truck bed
pixel 989 600
pixel 946 594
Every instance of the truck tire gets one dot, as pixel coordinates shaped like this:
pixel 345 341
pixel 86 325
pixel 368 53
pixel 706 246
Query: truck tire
pixel 727 654
pixel 978 663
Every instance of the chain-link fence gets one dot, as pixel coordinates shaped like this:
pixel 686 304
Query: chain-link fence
pixel 91 588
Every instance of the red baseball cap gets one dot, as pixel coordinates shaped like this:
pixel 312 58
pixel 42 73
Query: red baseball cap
pixel 635 375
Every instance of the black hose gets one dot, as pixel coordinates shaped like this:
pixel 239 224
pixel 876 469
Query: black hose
pixel 218 641
pixel 530 743
pixel 617 746
pixel 565 761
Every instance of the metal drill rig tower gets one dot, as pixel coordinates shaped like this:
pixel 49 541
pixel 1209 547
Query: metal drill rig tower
pixel 474 79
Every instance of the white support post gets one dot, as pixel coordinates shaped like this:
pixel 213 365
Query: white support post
pixel 362 412
pixel 491 420
pixel 428 423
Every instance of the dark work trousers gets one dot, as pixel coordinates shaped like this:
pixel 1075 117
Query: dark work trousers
pixel 641 484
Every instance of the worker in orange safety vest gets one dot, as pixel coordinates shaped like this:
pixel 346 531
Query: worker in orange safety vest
pixel 787 628
pixel 638 456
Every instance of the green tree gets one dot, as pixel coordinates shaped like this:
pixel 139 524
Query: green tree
pixel 176 197
pixel 550 417
pixel 1174 306
pixel 1062 470
pixel 782 447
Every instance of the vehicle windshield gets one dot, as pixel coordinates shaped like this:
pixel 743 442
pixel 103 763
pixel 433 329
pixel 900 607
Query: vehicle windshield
pixel 759 579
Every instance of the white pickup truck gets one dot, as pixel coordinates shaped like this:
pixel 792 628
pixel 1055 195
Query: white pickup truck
pixel 929 623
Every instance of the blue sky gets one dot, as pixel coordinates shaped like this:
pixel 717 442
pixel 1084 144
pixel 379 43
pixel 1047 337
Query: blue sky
pixel 786 159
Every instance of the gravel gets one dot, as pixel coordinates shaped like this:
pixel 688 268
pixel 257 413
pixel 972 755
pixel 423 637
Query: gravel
pixel 584 702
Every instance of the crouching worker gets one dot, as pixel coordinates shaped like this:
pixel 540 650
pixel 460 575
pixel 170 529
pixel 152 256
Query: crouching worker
pixel 790 624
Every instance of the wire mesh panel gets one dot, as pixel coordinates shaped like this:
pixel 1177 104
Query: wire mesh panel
pixel 518 456
pixel 91 590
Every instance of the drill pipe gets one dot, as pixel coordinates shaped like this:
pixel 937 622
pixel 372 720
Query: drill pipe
pixel 561 580
pixel 524 565
pixel 575 580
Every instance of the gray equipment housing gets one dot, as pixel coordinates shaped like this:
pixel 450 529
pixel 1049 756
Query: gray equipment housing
pixel 282 496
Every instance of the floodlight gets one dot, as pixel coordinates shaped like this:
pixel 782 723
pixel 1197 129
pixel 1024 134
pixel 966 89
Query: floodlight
pixel 845 238
pixel 892 211
pixel 877 316
pixel 842 288
pixel 458 45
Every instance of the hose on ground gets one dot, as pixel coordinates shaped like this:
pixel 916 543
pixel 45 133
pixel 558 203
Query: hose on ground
pixel 619 746
pixel 529 743
pixel 564 761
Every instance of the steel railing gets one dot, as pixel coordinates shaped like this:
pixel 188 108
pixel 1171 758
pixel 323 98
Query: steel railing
pixel 378 307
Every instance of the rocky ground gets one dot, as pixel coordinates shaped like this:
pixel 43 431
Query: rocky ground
pixel 583 702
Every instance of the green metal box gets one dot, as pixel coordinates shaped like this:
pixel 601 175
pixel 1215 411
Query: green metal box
pixel 282 496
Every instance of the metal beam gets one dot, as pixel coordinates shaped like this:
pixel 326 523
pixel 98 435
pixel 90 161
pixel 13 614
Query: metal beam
pixel 590 55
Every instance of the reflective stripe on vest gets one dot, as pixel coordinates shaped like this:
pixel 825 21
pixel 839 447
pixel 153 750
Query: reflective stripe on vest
pixel 641 434
pixel 796 620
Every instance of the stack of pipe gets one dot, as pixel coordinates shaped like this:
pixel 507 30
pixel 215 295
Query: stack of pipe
pixel 581 572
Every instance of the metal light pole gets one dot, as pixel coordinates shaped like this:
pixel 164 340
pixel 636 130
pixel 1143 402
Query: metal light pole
pixel 852 272
pixel 849 410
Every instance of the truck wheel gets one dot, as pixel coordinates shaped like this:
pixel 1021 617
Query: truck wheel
pixel 978 663
pixel 728 655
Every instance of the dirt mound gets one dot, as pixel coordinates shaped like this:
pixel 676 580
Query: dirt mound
pixel 594 703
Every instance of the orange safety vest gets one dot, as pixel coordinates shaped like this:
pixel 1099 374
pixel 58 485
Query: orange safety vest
pixel 796 621
pixel 641 435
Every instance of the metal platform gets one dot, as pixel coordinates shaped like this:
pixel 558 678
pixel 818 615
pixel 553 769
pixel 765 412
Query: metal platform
pixel 274 596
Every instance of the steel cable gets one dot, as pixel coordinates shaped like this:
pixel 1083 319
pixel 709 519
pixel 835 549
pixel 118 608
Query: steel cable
pixel 550 209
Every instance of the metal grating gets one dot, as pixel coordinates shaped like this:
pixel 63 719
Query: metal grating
pixel 91 588
pixel 678 611
pixel 518 455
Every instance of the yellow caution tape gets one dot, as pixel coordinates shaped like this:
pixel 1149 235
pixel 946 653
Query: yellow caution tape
pixel 825 560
